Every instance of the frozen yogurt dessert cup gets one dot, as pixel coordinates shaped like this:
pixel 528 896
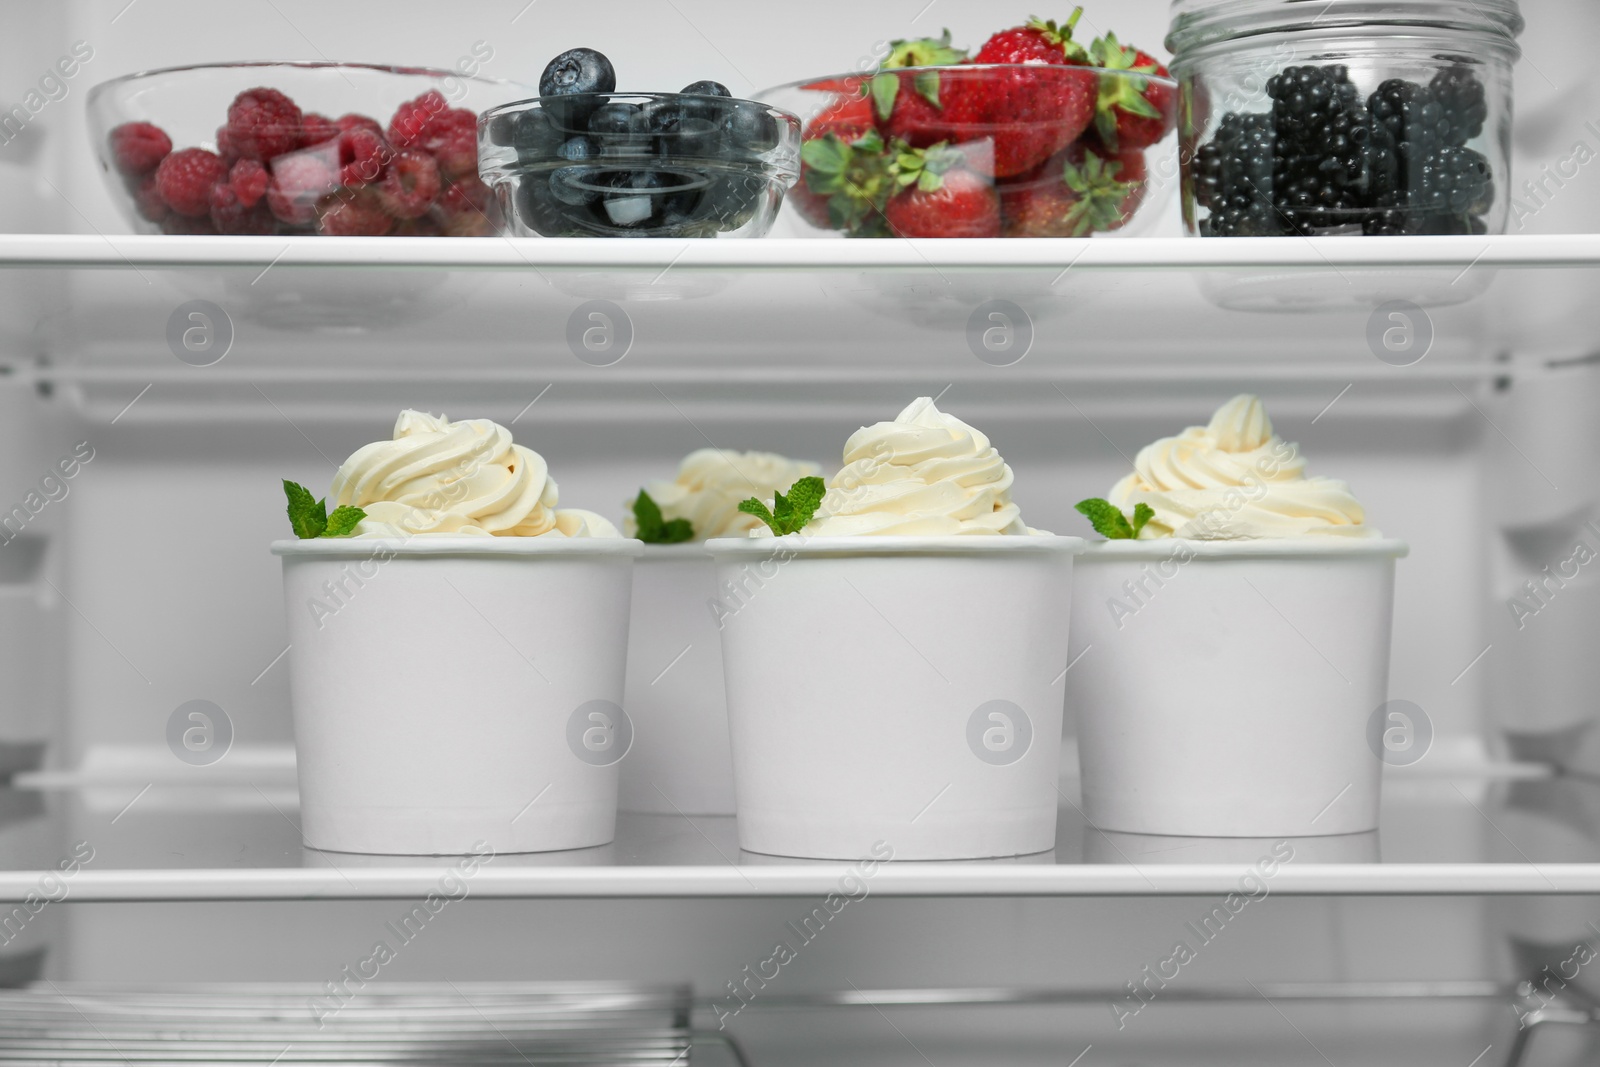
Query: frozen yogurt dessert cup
pixel 1230 659
pixel 894 660
pixel 680 762
pixel 456 659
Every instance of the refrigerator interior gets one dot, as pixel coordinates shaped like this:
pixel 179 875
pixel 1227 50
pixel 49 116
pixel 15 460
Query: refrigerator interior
pixel 143 581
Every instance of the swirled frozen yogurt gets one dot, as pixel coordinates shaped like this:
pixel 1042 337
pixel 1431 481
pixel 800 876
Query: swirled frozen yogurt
pixel 926 474
pixel 464 478
pixel 1235 479
pixel 710 484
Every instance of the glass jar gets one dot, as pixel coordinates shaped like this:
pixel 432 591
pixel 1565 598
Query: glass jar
pixel 1360 117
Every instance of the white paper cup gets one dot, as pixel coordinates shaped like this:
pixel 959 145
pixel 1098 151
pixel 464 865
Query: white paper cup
pixel 451 693
pixel 1227 689
pixel 895 691
pixel 680 762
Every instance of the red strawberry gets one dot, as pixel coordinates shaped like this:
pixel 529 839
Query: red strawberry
pixel 844 184
pixel 906 103
pixel 1082 190
pixel 848 117
pixel 1035 42
pixel 834 175
pixel 941 197
pixel 1029 113
pixel 1131 112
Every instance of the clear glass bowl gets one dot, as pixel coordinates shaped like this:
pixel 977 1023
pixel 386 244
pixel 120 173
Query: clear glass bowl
pixel 301 173
pixel 639 165
pixel 1359 117
pixel 980 150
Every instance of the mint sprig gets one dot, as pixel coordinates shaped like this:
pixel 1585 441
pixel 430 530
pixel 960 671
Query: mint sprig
pixel 655 530
pixel 309 517
pixel 1109 521
pixel 792 513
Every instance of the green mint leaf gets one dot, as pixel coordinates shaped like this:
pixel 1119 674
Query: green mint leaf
pixel 308 516
pixel 342 522
pixel 1142 514
pixel 653 529
pixel 755 507
pixel 647 517
pixel 805 497
pixel 1107 520
pixel 885 88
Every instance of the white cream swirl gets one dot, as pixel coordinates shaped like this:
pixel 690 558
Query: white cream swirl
pixel 1236 480
pixel 926 474
pixel 711 483
pixel 465 478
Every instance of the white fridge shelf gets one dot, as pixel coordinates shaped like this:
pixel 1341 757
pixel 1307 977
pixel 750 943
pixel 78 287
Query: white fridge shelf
pixel 1492 831
pixel 134 252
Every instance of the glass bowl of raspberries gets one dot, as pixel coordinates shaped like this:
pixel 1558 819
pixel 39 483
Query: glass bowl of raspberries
pixel 583 160
pixel 1035 134
pixel 1360 118
pixel 328 149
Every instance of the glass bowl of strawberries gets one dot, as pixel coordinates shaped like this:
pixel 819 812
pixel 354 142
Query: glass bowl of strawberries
pixel 1032 135
pixel 329 149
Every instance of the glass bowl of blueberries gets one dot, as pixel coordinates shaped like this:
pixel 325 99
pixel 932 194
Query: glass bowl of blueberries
pixel 583 160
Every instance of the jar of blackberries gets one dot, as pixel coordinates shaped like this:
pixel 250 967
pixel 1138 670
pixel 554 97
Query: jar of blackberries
pixel 1335 117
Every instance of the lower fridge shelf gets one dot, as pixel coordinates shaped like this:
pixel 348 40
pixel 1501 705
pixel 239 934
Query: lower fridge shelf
pixel 1419 1024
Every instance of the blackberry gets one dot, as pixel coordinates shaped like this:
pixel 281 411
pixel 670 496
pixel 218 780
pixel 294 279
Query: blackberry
pixel 1395 222
pixel 1454 180
pixel 1233 178
pixel 1461 97
pixel 1320 170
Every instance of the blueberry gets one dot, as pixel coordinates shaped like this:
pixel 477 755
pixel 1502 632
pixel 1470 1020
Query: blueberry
pixel 748 128
pixel 706 88
pixel 503 128
pixel 578 70
pixel 704 99
pixel 539 211
pixel 533 135
pixel 679 133
pixel 577 150
pixel 574 185
pixel 613 120
pixel 569 86
pixel 735 200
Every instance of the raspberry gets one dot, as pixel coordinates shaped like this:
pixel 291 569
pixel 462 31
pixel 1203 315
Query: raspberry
pixel 147 198
pixel 468 209
pixel 249 181
pixel 423 227
pixel 412 117
pixel 353 121
pixel 185 178
pixel 411 186
pixel 314 129
pixel 363 156
pixel 230 215
pixel 138 148
pixel 226 148
pixel 452 137
pixel 299 180
pixel 353 213
pixel 263 123
pixel 184 225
